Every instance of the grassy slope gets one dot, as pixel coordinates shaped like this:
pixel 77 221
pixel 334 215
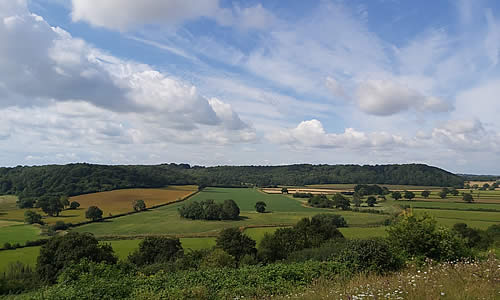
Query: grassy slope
pixel 165 220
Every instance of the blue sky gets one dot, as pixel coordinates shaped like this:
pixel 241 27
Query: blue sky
pixel 216 82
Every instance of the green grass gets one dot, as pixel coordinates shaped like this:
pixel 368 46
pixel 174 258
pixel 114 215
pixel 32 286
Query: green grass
pixel 363 233
pixel 451 205
pixel 476 219
pixel 7 202
pixel 165 220
pixel 258 233
pixel 25 255
pixel 18 233
pixel 344 186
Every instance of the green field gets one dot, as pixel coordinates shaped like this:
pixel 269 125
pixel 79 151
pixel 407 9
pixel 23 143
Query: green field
pixel 283 210
pixel 363 233
pixel 25 255
pixel 476 219
pixel 15 232
pixel 347 186
pixel 451 205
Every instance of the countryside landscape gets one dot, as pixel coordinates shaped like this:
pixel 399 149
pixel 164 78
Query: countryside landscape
pixel 249 149
pixel 364 212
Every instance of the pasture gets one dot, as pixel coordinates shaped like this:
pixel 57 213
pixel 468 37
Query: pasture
pixel 16 232
pixel 392 187
pixel 281 210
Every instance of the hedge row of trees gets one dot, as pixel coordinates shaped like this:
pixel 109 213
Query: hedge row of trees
pixel 76 179
pixel 210 210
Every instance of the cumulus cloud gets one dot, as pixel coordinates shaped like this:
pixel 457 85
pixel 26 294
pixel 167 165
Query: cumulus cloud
pixel 467 135
pixel 66 70
pixel 312 134
pixel 386 97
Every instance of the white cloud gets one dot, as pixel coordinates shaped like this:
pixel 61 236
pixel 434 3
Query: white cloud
pixel 467 135
pixel 67 76
pixel 124 14
pixel 386 97
pixel 312 134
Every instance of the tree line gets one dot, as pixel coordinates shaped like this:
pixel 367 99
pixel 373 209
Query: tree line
pixel 82 178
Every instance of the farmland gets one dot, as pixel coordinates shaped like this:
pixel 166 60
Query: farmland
pixel 281 210
pixel 111 203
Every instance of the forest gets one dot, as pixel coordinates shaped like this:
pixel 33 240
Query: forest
pixel 83 178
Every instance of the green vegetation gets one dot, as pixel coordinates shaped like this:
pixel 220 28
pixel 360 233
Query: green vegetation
pixel 30 183
pixel 17 233
pixel 282 210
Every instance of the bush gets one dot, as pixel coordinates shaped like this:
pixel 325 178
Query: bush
pixel 62 251
pixel 156 249
pixel 372 255
pixel 320 201
pixel 74 205
pixel 139 205
pixel 218 258
pixel 60 225
pixel 260 206
pixel 18 278
pixel 419 236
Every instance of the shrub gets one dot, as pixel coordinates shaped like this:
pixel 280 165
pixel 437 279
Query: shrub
pixel 60 225
pixel 18 278
pixel 139 205
pixel 218 258
pixel 260 206
pixel 372 255
pixel 419 236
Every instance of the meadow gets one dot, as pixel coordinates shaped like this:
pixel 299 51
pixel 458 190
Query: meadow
pixel 281 210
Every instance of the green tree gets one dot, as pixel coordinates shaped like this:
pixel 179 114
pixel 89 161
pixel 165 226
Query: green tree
pixel 235 243
pixel 356 200
pixel 230 210
pixel 443 194
pixel 260 206
pixel 156 249
pixel 139 205
pixel 419 236
pixel 64 201
pixel 94 213
pixel 426 194
pixel 371 201
pixel 62 251
pixel 32 217
pixel 454 192
pixel 74 205
pixel 467 197
pixel 50 204
pixel 409 195
pixel 396 195
pixel 284 190
pixel 339 201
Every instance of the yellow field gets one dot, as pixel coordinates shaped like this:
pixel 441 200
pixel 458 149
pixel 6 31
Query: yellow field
pixel 111 203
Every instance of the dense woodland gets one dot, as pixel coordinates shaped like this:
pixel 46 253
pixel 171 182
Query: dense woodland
pixel 76 179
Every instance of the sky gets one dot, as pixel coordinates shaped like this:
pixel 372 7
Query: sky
pixel 219 82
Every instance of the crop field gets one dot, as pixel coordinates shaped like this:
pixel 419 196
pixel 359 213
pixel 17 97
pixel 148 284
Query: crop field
pixel 282 210
pixel 112 202
pixel 451 205
pixel 7 203
pixel 477 219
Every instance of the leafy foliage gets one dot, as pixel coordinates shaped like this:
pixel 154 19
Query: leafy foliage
pixel 139 205
pixel 260 206
pixel 235 243
pixel 32 217
pixel 62 251
pixel 50 204
pixel 210 210
pixel 156 249
pixel 74 205
pixel 94 213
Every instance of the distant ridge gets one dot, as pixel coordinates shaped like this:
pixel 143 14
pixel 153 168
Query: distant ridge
pixel 81 178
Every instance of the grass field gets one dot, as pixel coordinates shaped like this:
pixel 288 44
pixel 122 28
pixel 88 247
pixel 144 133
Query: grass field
pixel 112 202
pixel 165 220
pixel 476 219
pixel 363 233
pixel 342 186
pixel 451 205
pixel 15 232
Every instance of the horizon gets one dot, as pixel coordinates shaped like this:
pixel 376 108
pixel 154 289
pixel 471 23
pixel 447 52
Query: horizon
pixel 239 83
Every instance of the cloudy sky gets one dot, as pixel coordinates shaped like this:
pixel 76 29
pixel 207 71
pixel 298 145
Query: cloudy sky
pixel 214 82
